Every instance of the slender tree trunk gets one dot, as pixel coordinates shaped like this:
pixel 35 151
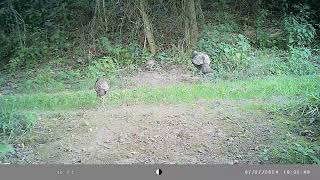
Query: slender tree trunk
pixel 191 25
pixel 186 25
pixel 105 16
pixel 147 26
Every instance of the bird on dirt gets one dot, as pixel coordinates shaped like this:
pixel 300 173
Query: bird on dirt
pixel 201 61
pixel 150 64
pixel 101 87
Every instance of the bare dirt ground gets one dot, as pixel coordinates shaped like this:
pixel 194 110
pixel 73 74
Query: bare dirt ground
pixel 203 132
pixel 175 75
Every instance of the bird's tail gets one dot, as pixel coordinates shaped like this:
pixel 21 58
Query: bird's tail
pixel 206 69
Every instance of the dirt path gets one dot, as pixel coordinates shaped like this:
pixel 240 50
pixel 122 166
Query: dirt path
pixel 203 132
pixel 175 75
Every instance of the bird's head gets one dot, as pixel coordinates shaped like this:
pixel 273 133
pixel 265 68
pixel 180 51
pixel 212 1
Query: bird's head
pixel 99 78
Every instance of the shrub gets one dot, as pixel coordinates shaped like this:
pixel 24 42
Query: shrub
pixel 124 56
pixel 13 123
pixel 27 57
pixel 300 32
pixel 293 153
pixel 102 66
pixel 229 51
pixel 308 111
pixel 262 38
pixel 298 61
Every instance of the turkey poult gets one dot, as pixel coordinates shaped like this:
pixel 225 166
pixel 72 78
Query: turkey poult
pixel 202 62
pixel 101 88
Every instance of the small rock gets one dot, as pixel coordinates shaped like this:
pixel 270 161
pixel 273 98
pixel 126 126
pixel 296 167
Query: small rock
pixel 230 139
pixel 68 149
pixel 200 150
pixel 83 149
pixel 134 152
pixel 120 140
pixel 69 129
pixel 20 146
pixel 107 141
pixel 90 129
pixel 235 162
pixel 307 133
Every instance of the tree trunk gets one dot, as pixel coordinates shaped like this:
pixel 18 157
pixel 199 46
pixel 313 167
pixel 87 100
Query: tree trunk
pixel 147 27
pixel 105 16
pixel 186 25
pixel 191 25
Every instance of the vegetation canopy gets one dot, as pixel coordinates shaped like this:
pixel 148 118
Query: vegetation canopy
pixel 234 78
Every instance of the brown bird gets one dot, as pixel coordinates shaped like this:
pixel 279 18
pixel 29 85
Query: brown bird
pixel 101 87
pixel 202 62
pixel 150 65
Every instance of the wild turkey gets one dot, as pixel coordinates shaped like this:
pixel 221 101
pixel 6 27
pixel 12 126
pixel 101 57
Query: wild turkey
pixel 202 62
pixel 101 87
pixel 150 64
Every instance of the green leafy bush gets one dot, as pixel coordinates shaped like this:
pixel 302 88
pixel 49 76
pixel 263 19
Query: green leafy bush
pixel 307 154
pixel 27 57
pixel 124 55
pixel 13 123
pixel 262 38
pixel 300 32
pixel 307 111
pixel 229 51
pixel 298 61
pixel 293 153
pixel 102 66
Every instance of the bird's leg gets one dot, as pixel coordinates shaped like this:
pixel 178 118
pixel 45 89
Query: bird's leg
pixel 100 99
pixel 103 102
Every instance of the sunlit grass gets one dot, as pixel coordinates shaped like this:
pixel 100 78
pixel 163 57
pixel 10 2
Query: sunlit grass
pixel 244 89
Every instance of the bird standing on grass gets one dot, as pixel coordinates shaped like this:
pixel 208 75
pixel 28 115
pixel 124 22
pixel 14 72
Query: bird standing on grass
pixel 101 88
pixel 202 62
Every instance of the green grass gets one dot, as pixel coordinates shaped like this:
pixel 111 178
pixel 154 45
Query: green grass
pixel 44 101
pixel 289 147
pixel 292 148
pixel 290 119
pixel 5 148
pixel 244 89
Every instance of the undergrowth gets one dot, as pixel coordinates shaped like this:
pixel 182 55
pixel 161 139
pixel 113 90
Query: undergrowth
pixel 298 123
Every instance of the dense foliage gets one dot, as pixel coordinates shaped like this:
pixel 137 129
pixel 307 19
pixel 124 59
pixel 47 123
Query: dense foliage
pixel 36 32
pixel 50 46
